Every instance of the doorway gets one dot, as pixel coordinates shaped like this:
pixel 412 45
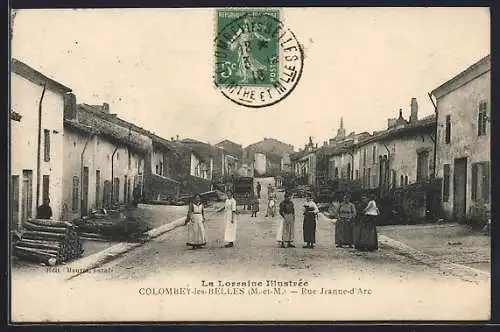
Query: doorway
pixel 460 188
pixel 27 192
pixel 85 188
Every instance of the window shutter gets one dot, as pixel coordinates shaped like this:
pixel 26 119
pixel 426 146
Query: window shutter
pixel 486 181
pixel 480 122
pixel 474 182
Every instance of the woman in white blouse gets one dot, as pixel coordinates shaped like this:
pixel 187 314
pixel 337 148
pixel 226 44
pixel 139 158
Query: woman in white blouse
pixel 230 220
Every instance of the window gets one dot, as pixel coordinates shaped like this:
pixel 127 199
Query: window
pixel 46 144
pixel 364 156
pixel 98 188
pixel 157 169
pixel 336 172
pixel 129 160
pixel 446 182
pixel 161 168
pixel 364 177
pixel 402 181
pixel 374 154
pixel 45 187
pixel 357 174
pixel 368 176
pixel 75 194
pixel 125 187
pixel 422 166
pixel 348 171
pixel 481 181
pixel 447 137
pixel 393 179
pixel 406 180
pixel 482 119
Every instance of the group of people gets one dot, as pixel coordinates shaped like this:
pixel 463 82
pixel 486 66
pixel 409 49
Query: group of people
pixel 351 229
pixel 272 198
pixel 195 222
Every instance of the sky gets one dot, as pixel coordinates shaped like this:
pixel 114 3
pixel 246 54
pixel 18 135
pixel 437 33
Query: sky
pixel 154 67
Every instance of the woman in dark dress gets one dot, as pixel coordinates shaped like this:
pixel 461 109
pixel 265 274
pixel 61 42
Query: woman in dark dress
pixel 344 224
pixel 368 238
pixel 309 228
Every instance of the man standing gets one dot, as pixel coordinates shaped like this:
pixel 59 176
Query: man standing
pixel 136 194
pixel 259 188
pixel 44 211
pixel 287 211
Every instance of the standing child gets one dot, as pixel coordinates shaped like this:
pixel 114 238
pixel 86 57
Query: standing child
pixel 255 206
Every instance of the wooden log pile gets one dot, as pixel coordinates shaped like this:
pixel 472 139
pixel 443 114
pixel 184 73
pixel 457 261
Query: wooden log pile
pixel 48 241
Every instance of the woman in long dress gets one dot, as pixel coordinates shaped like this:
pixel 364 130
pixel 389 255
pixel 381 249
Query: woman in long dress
pixel 287 212
pixel 195 224
pixel 344 224
pixel 309 228
pixel 230 220
pixel 368 238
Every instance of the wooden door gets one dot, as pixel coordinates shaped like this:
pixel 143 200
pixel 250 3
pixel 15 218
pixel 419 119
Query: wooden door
pixel 27 192
pixel 85 194
pixel 460 188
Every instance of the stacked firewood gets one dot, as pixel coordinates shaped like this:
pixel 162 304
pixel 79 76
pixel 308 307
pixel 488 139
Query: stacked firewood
pixel 48 241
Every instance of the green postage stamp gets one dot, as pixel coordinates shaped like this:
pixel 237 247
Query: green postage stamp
pixel 257 60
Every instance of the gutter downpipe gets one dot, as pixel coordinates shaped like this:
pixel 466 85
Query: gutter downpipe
pixel 434 166
pixel 38 161
pixel 352 165
pixel 113 174
pixel 388 166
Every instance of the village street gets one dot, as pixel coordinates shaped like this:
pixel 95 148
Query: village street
pixel 144 279
pixel 398 285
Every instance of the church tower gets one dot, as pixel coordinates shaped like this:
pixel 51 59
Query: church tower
pixel 341 130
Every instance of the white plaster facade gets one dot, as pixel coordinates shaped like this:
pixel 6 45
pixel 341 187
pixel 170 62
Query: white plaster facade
pixel 459 102
pixel 26 93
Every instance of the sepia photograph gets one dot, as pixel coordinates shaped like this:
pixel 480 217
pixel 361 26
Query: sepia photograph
pixel 250 164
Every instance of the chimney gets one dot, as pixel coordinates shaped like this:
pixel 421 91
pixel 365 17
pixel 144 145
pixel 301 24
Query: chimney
pixel 316 145
pixel 105 107
pixel 400 113
pixel 414 110
pixel 70 106
pixel 176 137
pixel 172 139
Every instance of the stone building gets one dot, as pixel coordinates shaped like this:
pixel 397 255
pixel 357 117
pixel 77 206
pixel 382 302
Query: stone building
pixel 463 139
pixel 104 158
pixel 36 142
pixel 304 163
pixel 272 149
pixel 398 156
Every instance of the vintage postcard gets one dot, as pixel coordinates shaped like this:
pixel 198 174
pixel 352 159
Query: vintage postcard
pixel 250 164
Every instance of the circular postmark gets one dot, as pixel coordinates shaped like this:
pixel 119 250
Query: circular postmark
pixel 258 61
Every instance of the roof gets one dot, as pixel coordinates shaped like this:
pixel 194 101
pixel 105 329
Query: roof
pixel 228 141
pixel 424 123
pixel 164 142
pixel 80 126
pixel 116 131
pixel 268 140
pixel 96 109
pixel 300 154
pixel 203 150
pixel 477 69
pixel 37 77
